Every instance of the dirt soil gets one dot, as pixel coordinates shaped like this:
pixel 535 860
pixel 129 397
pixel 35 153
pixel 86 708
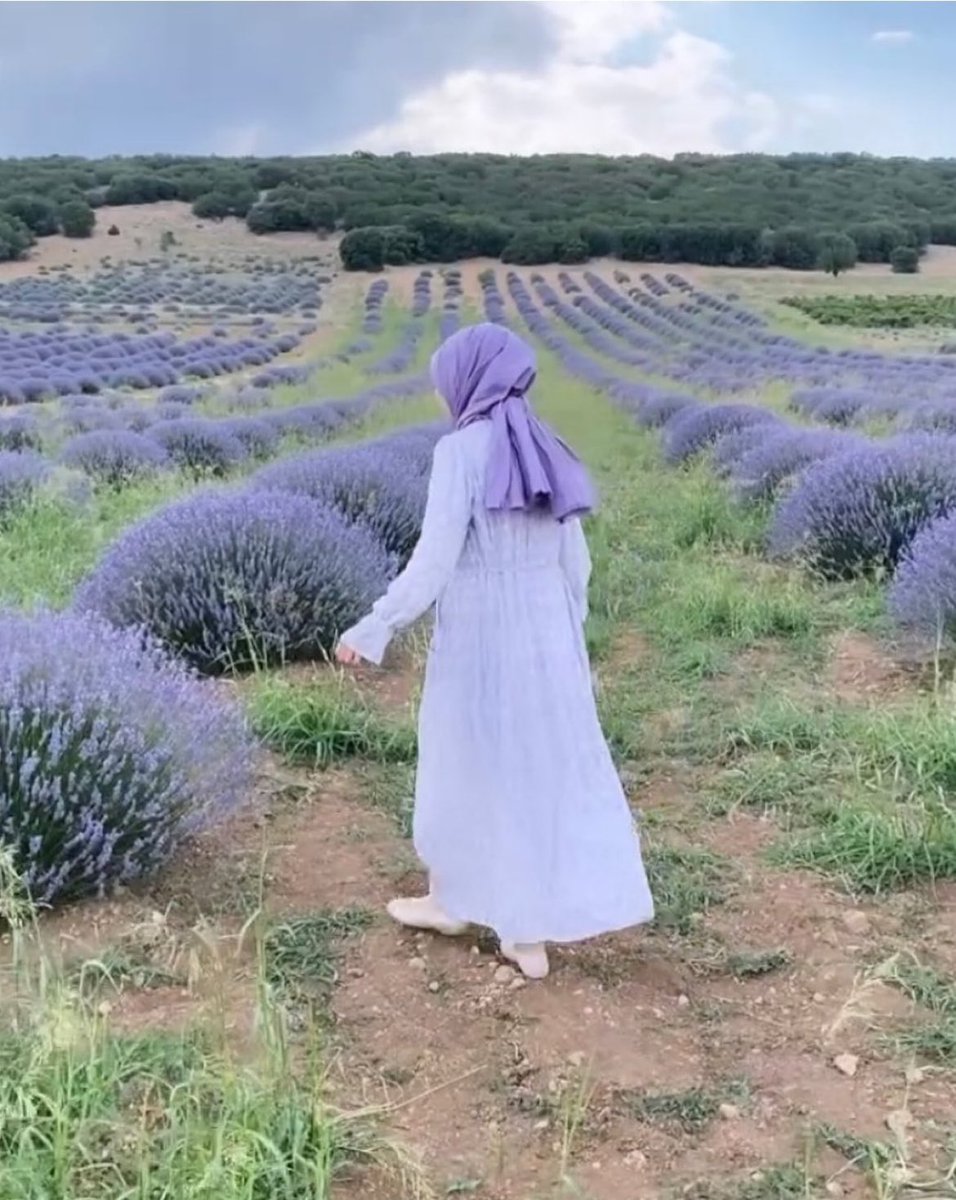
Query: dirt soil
pixel 505 1088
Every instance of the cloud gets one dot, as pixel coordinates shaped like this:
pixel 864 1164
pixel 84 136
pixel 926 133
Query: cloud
pixel 587 97
pixel 893 37
pixel 106 78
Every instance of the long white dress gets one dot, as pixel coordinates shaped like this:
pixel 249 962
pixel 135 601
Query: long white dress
pixel 520 817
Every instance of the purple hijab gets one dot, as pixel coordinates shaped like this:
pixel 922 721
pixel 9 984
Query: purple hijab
pixel 483 373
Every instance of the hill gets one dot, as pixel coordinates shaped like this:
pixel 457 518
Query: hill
pixel 740 210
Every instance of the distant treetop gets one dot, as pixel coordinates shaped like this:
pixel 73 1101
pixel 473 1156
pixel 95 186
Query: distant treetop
pixel 745 209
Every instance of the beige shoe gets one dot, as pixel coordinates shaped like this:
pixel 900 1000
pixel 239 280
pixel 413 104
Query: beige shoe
pixel 422 912
pixel 531 960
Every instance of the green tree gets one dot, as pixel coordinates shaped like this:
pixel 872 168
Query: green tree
pixel 904 260
pixel 36 212
pixel 15 238
pixel 78 219
pixel 836 253
pixel 363 249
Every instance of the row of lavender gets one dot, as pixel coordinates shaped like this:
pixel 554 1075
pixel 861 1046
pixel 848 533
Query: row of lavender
pixel 689 339
pixel 225 580
pixel 842 503
pixel 116 442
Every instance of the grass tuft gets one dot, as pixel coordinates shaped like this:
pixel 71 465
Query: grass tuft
pixel 326 720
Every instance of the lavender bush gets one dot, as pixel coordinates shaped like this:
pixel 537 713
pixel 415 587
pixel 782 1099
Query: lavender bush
pixel 20 432
pixel 20 475
pixel 729 448
pixel 230 580
pixel 114 456
pixel 199 444
pixel 380 485
pixel 783 453
pixel 109 754
pixel 258 438
pixel 922 597
pixel 689 432
pixel 857 513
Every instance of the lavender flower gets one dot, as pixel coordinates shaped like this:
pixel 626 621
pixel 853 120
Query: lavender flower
pixel 857 513
pixel 114 456
pixel 382 485
pixel 922 597
pixel 687 433
pixel 783 453
pixel 229 580
pixel 109 754
pixel 20 475
pixel 199 444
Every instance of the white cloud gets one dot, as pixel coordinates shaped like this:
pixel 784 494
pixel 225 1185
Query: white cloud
pixel 585 99
pixel 893 37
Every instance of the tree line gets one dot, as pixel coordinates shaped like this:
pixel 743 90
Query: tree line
pixel 802 211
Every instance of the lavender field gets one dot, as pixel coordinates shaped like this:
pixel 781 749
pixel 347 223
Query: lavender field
pixel 231 457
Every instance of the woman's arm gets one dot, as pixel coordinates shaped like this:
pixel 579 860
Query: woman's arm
pixel 411 594
pixel 576 564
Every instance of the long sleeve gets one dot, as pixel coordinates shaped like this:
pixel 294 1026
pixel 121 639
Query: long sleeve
pixel 444 529
pixel 576 564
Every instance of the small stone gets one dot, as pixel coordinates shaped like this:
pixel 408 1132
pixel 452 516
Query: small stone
pixel 518 983
pixel 475 951
pixel 636 1158
pixel 542 1124
pixel 104 1008
pixel 434 986
pixel 683 1001
pixel 818 997
pixel 856 921
pixel 846 1064
pixel 834 1188
pixel 729 1112
pixel 504 974
pixel 576 1059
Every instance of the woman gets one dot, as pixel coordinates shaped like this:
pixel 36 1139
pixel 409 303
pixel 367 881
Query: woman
pixel 520 816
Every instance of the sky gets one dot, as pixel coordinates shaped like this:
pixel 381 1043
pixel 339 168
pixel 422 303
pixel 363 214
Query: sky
pixel 539 76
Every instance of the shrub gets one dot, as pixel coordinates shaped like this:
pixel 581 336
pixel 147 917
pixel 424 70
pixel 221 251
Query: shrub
pixel 923 595
pixel 658 410
pixel 904 260
pixel 114 456
pixel 729 448
pixel 199 444
pixel 858 512
pixel 15 238
pixel 258 438
pixel 19 432
pixel 78 219
pixel 380 486
pixel 758 473
pixel 20 474
pixel 110 754
pixel 836 252
pixel 230 580
pixel 687 433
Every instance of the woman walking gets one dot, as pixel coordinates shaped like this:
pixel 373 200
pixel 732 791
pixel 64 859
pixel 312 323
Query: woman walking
pixel 520 818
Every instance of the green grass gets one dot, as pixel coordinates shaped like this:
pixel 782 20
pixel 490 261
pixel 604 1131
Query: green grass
pixel 89 1113
pixel 685 883
pixel 325 720
pixel 932 1037
pixel 692 1110
pixel 301 955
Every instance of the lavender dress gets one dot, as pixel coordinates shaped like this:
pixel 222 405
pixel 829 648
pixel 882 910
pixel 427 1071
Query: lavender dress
pixel 520 817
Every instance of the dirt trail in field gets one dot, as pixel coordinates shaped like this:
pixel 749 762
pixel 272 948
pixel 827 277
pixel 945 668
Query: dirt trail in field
pixel 646 1062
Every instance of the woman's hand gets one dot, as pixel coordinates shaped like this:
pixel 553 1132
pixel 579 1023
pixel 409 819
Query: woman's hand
pixel 346 656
